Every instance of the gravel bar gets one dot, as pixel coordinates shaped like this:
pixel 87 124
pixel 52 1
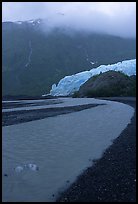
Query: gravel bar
pixel 16 117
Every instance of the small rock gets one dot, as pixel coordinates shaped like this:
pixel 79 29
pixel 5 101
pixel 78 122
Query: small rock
pixel 33 167
pixel 18 169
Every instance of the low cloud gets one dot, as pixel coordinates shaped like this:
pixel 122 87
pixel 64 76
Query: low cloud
pixel 117 18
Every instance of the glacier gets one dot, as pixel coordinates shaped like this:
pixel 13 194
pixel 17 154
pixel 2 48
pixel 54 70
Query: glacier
pixel 69 84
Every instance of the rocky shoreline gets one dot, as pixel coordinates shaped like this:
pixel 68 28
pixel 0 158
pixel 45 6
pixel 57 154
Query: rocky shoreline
pixel 113 177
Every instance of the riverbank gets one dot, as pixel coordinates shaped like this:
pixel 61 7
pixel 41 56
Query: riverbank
pixel 113 177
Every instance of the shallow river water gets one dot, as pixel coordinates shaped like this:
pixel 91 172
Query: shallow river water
pixel 62 147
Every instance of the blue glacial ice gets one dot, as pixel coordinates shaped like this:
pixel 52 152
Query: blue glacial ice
pixel 69 84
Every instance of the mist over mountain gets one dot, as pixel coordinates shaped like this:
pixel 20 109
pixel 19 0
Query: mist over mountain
pixel 34 56
pixel 115 18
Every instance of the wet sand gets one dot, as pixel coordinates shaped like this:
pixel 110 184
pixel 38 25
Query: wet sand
pixel 113 177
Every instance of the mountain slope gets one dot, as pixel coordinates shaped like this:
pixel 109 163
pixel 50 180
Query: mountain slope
pixel 33 60
pixel 106 84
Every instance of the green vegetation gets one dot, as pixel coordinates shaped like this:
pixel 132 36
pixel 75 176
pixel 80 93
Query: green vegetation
pixel 111 92
pixel 108 84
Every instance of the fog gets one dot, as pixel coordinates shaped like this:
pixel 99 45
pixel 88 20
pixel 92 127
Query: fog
pixel 116 18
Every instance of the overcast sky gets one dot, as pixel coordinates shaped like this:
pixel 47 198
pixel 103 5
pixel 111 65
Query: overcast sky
pixel 118 18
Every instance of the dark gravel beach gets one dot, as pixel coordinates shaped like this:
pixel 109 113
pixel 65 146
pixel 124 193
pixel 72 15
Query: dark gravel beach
pixel 113 177
pixel 22 116
pixel 19 104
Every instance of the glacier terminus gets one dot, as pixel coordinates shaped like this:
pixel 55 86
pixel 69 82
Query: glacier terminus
pixel 69 84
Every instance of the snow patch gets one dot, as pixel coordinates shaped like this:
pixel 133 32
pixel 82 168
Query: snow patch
pixel 18 22
pixel 92 62
pixel 31 21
